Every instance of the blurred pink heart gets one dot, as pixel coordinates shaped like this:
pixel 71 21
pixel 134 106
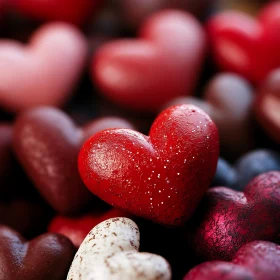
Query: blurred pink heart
pixel 45 71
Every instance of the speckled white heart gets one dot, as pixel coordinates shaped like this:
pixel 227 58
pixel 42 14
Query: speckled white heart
pixel 110 252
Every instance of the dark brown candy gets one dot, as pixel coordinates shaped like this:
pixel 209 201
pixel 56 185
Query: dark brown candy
pixel 47 143
pixel 47 257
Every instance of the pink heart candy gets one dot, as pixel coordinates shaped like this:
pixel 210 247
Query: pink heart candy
pixel 44 72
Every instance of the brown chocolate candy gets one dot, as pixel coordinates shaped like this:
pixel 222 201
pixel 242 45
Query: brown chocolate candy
pixel 47 143
pixel 47 257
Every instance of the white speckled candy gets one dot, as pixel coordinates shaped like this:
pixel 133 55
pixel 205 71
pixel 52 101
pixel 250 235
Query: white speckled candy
pixel 110 251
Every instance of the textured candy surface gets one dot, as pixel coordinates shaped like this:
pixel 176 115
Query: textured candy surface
pixel 258 260
pixel 227 219
pixel 228 99
pixel 77 228
pixel 110 251
pixel 161 177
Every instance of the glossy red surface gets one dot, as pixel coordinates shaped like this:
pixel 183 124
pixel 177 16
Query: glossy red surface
pixel 227 219
pixel 246 45
pixel 161 177
pixel 258 260
pixel 228 99
pixel 164 62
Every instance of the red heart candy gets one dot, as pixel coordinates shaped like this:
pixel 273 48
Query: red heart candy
pixel 76 229
pixel 65 10
pixel 47 143
pixel 145 73
pixel 45 71
pixel 227 219
pixel 46 257
pixel 244 45
pixel 228 99
pixel 161 177
pixel 267 105
pixel 258 260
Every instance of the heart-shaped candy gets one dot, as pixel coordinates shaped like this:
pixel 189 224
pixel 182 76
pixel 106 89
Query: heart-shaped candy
pixel 228 99
pixel 246 45
pixel 258 260
pixel 110 252
pixel 131 72
pixel 45 71
pixel 77 228
pixel 227 219
pixel 47 143
pixel 63 10
pixel 267 105
pixel 161 177
pixel 46 257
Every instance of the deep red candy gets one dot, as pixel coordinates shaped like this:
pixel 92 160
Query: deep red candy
pixel 63 10
pixel 47 143
pixel 46 257
pixel 267 105
pixel 161 177
pixel 258 260
pixel 145 73
pixel 77 228
pixel 245 45
pixel 227 219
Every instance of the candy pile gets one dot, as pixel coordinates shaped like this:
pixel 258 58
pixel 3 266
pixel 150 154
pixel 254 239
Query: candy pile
pixel 151 120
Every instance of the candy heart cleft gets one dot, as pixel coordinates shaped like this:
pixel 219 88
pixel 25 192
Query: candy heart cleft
pixel 45 257
pixel 227 219
pixel 256 260
pixel 110 251
pixel 228 99
pixel 45 71
pixel 161 177
pixel 131 72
